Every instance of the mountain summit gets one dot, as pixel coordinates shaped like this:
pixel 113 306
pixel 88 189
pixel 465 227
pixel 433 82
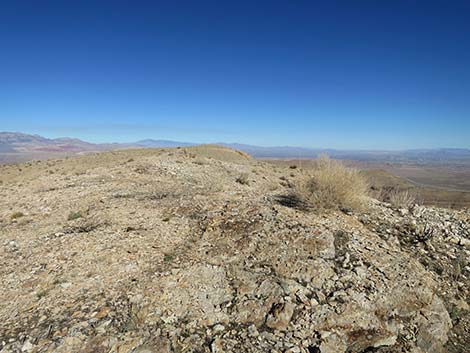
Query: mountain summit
pixel 204 249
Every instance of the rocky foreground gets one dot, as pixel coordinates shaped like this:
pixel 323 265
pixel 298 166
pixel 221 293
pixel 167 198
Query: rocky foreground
pixel 197 250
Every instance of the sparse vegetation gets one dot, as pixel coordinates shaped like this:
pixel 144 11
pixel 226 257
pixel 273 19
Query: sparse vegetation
pixel 331 185
pixel 442 187
pixel 85 225
pixel 41 294
pixel 75 215
pixel 168 257
pixel 401 199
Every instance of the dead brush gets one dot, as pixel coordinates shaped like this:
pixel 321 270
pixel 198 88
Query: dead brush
pixel 332 186
pixel 401 198
pixel 84 225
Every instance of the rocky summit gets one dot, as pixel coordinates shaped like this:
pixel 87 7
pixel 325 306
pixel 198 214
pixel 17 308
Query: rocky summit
pixel 197 250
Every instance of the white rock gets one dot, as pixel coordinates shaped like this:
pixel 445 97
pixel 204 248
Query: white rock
pixel 27 347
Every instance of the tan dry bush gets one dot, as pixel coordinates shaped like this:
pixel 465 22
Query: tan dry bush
pixel 402 199
pixel 332 186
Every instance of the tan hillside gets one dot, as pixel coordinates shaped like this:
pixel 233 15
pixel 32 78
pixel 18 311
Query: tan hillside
pixel 200 250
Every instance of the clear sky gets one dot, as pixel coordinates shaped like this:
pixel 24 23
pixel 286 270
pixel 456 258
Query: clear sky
pixel 341 74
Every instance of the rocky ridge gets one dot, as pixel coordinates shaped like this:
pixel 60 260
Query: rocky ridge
pixel 189 250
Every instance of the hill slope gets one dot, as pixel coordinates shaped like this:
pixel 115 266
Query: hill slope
pixel 166 251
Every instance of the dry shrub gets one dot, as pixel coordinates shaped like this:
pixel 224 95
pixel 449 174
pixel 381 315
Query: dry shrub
pixel 332 186
pixel 85 225
pixel 401 199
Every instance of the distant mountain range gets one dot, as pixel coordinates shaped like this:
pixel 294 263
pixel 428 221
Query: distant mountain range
pixel 149 143
pixel 18 142
pixel 15 147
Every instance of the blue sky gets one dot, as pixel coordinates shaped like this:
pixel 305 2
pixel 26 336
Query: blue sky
pixel 338 74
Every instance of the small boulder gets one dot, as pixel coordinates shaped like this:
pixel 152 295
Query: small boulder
pixel 280 316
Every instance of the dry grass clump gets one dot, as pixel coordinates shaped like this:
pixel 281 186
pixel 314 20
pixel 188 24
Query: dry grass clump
pixel 401 199
pixel 332 186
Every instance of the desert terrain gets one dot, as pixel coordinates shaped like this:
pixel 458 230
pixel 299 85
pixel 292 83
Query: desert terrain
pixel 195 249
pixel 439 177
pixel 431 183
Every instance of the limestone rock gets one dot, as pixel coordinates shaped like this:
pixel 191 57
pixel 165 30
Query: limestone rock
pixel 280 316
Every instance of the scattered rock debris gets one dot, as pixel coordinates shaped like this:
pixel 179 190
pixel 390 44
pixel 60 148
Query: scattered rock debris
pixel 178 256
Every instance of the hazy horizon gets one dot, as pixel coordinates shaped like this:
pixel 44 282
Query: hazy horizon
pixel 359 76
pixel 312 147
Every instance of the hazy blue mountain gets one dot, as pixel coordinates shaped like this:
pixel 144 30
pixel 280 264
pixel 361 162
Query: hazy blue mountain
pixel 17 141
pixel 12 143
pixel 161 143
